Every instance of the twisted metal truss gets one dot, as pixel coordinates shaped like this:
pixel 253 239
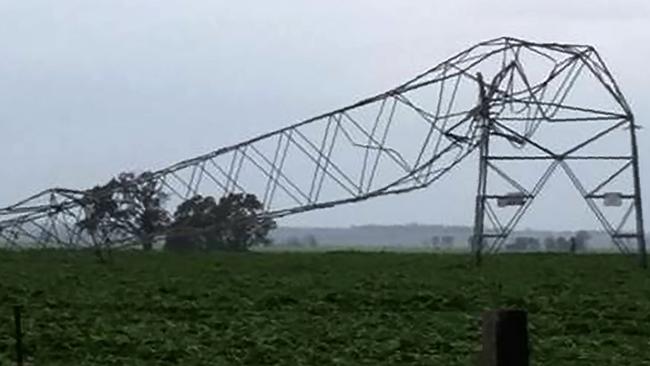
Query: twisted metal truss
pixel 502 92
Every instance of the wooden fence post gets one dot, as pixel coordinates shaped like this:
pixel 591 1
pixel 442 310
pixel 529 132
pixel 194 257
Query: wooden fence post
pixel 505 338
pixel 19 335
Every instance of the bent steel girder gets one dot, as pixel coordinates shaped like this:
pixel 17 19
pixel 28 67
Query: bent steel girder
pixel 394 142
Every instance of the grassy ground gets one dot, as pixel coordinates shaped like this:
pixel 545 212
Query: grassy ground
pixel 318 308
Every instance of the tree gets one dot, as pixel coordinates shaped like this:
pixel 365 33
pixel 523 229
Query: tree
pixel 141 207
pixel 192 223
pixel 236 223
pixel 582 238
pixel 447 241
pixel 294 242
pixel 549 244
pixel 308 241
pixel 127 206
pixel 573 246
pixel 311 241
pixel 562 244
pixel 100 209
pixel 435 242
pixel 519 244
pixel 534 244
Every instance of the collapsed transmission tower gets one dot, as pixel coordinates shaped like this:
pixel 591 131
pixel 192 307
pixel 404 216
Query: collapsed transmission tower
pixel 527 109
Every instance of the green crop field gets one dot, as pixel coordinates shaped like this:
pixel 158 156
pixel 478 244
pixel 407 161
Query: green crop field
pixel 317 308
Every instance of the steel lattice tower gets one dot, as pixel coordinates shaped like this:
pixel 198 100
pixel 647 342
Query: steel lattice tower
pixel 515 103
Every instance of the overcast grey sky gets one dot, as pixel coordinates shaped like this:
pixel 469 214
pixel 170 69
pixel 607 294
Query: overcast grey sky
pixel 92 88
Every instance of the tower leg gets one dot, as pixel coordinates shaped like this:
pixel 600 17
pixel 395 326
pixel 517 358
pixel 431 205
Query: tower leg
pixel 638 206
pixel 479 211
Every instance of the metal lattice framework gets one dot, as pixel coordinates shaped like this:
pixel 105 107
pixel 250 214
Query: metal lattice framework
pixel 511 101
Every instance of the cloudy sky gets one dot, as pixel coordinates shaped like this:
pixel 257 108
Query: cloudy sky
pixel 92 88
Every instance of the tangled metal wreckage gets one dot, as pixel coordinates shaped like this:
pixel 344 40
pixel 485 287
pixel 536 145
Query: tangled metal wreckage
pixel 526 109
